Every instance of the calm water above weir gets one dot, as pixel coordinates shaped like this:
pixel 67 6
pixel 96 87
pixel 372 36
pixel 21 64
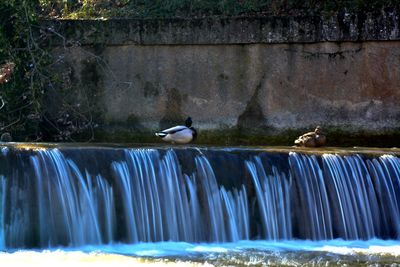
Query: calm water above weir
pixel 220 206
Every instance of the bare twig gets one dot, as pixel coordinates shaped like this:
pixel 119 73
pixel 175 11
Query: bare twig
pixel 81 119
pixel 11 124
pixel 2 102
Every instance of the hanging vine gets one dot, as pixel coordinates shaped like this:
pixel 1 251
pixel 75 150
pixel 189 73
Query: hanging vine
pixel 26 76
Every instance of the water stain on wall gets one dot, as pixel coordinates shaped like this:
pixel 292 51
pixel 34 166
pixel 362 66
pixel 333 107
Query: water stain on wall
pixel 253 113
pixel 173 113
pixel 150 90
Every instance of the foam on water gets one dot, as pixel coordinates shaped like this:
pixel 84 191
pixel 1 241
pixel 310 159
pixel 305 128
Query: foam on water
pixel 299 253
pixel 62 258
pixel 168 249
pixel 338 246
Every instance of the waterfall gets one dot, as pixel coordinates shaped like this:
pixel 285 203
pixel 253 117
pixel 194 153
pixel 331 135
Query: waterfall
pixel 70 202
pixel 313 196
pixel 80 196
pixel 273 200
pixel 161 203
pixel 347 196
pixel 3 186
pixel 386 174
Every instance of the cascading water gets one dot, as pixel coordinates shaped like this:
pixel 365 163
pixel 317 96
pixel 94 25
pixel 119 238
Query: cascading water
pixel 3 186
pixel 75 197
pixel 161 203
pixel 273 196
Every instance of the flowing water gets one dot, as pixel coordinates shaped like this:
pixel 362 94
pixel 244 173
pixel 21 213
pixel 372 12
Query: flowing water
pixel 199 206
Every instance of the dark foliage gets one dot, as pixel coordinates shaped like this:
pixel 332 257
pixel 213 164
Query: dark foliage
pixel 203 8
pixel 27 73
pixel 21 94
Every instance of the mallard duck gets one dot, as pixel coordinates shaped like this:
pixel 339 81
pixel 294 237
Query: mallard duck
pixel 312 139
pixel 179 134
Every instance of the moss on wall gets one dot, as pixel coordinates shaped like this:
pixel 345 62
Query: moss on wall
pixel 234 137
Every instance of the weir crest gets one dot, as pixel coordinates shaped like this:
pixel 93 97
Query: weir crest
pixel 71 196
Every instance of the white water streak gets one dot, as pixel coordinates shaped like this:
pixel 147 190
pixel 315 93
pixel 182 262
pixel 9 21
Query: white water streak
pixel 68 202
pixel 312 197
pixel 3 186
pixel 162 204
pixel 273 200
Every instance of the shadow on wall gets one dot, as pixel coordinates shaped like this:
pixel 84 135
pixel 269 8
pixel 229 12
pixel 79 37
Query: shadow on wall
pixel 253 114
pixel 173 113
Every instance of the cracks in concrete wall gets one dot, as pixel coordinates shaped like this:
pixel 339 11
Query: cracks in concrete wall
pixel 339 54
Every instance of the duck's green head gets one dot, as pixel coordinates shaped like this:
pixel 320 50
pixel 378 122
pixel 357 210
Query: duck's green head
pixel 188 122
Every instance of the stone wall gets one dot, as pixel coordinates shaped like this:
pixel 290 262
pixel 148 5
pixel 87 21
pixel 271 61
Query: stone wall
pixel 240 30
pixel 243 81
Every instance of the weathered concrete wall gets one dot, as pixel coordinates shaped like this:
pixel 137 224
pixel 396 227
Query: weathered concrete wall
pixel 304 29
pixel 237 92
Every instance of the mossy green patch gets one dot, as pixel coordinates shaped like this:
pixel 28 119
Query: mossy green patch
pixel 236 137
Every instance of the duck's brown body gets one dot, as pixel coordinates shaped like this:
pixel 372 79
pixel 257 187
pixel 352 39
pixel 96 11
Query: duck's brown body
pixel 312 139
